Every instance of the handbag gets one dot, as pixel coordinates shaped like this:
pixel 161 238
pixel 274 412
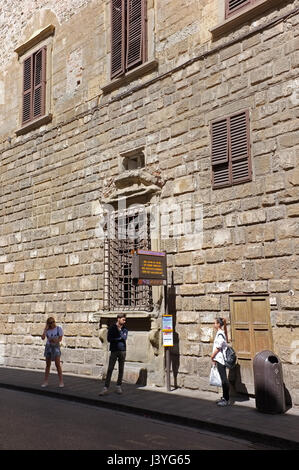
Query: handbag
pixel 215 379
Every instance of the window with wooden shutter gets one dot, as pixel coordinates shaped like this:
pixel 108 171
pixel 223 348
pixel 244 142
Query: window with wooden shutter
pixel 34 86
pixel 117 37
pixel 128 35
pixel 27 90
pixel 39 83
pixel 233 6
pixel 231 150
pixel 135 32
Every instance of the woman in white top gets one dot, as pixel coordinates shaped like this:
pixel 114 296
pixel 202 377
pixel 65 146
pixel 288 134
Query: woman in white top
pixel 54 336
pixel 218 354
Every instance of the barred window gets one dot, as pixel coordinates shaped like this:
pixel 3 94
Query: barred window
pixel 127 231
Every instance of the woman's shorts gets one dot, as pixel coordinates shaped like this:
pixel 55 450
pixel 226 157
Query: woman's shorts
pixel 52 351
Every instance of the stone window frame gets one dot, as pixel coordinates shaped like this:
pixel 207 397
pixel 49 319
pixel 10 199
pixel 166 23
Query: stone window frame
pixel 130 189
pixel 137 155
pixel 149 66
pixel 39 40
pixel 248 12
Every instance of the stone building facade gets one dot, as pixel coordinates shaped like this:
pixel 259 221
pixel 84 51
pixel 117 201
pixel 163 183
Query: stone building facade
pixel 148 136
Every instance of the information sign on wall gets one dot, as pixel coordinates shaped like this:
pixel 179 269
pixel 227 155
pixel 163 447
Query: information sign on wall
pixel 149 265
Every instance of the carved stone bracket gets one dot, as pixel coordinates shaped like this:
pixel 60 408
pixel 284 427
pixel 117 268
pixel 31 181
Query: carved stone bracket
pixel 103 334
pixel 131 184
pixel 154 336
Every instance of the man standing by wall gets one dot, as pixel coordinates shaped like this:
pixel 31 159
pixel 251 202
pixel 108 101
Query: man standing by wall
pixel 117 337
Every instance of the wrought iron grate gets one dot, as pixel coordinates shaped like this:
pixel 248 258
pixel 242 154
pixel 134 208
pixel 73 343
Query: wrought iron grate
pixel 127 231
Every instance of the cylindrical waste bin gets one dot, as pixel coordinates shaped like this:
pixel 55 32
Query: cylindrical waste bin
pixel 268 383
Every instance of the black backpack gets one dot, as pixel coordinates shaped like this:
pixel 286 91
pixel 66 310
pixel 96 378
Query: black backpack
pixel 231 357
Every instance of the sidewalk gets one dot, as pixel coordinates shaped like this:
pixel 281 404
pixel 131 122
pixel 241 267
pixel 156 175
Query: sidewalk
pixel 192 408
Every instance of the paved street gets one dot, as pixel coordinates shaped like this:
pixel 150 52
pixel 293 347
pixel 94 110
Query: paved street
pixel 42 423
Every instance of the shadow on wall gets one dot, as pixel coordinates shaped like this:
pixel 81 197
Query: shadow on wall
pixel 175 349
pixel 175 358
pixel 236 384
pixel 142 378
pixel 288 398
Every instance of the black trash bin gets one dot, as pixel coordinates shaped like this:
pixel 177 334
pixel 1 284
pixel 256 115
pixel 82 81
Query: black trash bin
pixel 268 383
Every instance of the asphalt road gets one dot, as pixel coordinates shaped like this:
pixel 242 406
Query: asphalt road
pixel 35 422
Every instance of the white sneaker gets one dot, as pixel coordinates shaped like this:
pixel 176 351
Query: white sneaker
pixel 118 390
pixel 45 384
pixel 219 400
pixel 223 402
pixel 61 385
pixel 104 392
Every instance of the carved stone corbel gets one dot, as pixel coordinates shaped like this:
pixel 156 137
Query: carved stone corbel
pixel 103 332
pixel 131 184
pixel 154 337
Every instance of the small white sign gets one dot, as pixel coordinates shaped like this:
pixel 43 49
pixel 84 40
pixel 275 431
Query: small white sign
pixel 167 338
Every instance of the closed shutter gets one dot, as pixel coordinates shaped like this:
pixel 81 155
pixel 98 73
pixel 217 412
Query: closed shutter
pixel 128 35
pixel 230 150
pixel 39 85
pixel 118 9
pixel 233 5
pixel 27 90
pixel 239 147
pixel 135 32
pixel 34 86
pixel 220 161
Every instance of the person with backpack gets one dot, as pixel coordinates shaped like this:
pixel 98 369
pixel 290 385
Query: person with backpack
pixel 219 357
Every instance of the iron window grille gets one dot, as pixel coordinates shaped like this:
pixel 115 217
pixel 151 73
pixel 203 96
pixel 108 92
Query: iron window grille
pixel 126 231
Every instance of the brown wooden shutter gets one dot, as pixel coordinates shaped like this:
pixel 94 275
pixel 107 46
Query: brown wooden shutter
pixel 136 15
pixel 239 147
pixel 233 5
pixel 39 85
pixel 118 25
pixel 219 142
pixel 231 150
pixel 27 90
pixel 220 161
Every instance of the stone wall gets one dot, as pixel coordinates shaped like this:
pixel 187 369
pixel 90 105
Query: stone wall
pixel 51 261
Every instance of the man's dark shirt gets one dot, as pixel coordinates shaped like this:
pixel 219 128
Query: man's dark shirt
pixel 117 338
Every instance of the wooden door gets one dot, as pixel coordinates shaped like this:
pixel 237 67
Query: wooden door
pixel 251 333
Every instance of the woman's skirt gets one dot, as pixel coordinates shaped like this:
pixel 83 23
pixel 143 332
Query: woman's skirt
pixel 52 351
